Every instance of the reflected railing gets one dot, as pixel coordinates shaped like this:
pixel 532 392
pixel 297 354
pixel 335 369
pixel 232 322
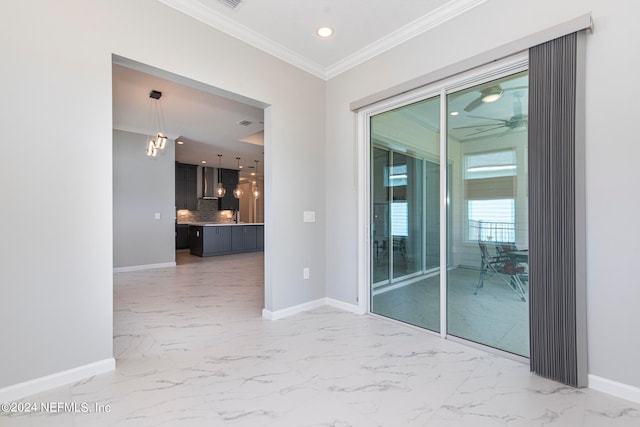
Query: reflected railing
pixel 498 232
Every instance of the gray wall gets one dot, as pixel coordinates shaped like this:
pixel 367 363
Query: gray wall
pixel 56 276
pixel 142 187
pixel 612 153
pixel 56 106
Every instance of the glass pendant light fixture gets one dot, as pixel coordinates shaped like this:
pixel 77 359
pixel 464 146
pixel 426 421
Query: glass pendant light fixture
pixel 256 189
pixel 237 192
pixel 151 151
pixel 220 191
pixel 160 140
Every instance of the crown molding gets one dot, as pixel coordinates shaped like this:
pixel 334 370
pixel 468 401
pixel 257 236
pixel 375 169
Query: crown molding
pixel 425 23
pixel 223 23
pixel 446 12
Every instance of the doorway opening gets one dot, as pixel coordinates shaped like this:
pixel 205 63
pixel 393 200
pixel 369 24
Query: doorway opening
pixel 201 121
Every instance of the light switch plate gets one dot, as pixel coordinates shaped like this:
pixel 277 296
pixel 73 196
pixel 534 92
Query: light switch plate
pixel 157 215
pixel 309 216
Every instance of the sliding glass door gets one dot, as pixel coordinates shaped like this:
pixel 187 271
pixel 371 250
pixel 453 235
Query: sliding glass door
pixel 405 194
pixel 486 272
pixel 487 278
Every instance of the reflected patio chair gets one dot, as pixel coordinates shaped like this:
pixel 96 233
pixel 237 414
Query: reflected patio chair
pixel 380 249
pixel 502 266
pixel 400 246
pixel 510 250
pixel 503 249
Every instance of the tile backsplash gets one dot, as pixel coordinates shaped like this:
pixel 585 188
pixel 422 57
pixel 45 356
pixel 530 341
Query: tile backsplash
pixel 207 212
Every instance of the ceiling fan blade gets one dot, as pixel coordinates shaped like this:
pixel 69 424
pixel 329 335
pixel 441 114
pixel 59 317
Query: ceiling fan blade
pixel 478 126
pixel 517 108
pixel 489 118
pixel 483 131
pixel 473 104
pixel 515 88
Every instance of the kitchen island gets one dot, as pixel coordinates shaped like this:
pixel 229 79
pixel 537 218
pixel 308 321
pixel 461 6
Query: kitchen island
pixel 211 239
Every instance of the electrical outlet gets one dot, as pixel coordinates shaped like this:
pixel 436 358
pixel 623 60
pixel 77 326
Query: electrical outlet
pixel 305 273
pixel 309 216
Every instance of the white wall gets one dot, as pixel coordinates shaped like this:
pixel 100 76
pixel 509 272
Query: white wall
pixel 142 187
pixel 56 274
pixel 612 151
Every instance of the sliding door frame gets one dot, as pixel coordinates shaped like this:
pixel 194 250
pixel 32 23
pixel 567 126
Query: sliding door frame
pixel 495 70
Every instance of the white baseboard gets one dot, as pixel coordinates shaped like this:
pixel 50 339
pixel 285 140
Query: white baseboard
pixel 143 267
pixel 352 308
pixel 38 385
pixel 614 388
pixel 290 311
pixel 267 314
pixel 321 302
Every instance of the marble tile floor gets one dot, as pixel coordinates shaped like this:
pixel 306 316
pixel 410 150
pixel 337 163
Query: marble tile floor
pixel 495 316
pixel 193 350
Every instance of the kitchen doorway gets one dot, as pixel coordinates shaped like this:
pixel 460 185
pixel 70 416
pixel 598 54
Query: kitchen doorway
pixel 144 201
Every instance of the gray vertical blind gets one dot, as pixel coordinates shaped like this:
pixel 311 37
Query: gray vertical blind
pixel 554 347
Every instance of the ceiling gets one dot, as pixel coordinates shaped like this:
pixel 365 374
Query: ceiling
pixel 207 123
pixel 206 119
pixel 286 29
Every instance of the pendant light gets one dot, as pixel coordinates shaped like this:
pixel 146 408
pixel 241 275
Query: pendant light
pixel 237 192
pixel 256 189
pixel 220 191
pixel 157 119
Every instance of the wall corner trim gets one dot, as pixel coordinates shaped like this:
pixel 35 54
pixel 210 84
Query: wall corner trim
pixel 320 302
pixel 48 382
pixel 614 388
pixel 290 311
pixel 352 308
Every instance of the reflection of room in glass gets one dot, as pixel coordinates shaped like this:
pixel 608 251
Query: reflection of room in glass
pixel 487 277
pixel 405 195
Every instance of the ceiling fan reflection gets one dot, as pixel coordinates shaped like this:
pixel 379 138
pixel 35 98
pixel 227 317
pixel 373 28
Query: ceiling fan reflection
pixel 488 95
pixel 517 121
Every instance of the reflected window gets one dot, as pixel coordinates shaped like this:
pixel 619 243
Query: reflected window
pixel 396 175
pixel 399 219
pixel 490 191
pixel 492 220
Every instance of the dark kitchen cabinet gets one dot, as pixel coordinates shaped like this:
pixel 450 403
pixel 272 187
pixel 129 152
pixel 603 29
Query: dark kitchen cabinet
pixel 209 241
pixel 196 240
pixel 243 238
pixel 182 236
pixel 225 239
pixel 217 240
pixel 186 183
pixel 229 179
pixel 259 237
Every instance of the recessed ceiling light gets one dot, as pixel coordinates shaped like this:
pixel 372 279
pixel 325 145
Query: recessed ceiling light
pixel 454 113
pixel 325 32
pixel 204 162
pixel 180 142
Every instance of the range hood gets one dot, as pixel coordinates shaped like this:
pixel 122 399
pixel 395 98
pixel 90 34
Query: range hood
pixel 209 182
